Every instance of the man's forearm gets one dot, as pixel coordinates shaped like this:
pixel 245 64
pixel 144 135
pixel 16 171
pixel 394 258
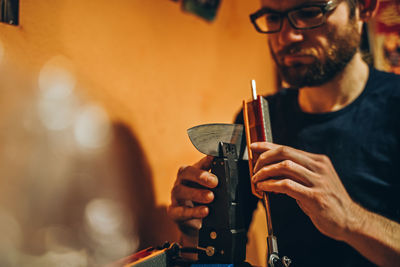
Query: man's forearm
pixel 375 237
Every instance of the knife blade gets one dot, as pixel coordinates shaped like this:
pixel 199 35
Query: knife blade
pixel 206 138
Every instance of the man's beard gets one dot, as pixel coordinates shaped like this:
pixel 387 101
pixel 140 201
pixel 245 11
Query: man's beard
pixel 337 56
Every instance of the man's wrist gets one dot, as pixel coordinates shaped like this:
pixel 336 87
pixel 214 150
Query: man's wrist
pixel 188 241
pixel 355 222
pixel 375 237
pixel 188 236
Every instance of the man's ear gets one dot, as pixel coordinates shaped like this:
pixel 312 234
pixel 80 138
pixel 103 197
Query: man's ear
pixel 368 8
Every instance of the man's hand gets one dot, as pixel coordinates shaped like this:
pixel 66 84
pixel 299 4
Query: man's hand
pixel 311 180
pixel 191 187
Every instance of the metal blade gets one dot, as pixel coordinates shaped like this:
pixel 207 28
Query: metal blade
pixel 206 138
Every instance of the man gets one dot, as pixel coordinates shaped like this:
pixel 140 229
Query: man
pixel 337 139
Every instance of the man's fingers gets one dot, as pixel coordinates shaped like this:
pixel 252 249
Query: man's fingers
pixel 198 176
pixel 184 193
pixel 183 213
pixel 272 153
pixel 260 147
pixel 285 186
pixel 204 163
pixel 286 169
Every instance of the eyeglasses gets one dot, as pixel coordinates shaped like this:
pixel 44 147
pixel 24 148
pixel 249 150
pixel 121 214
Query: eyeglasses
pixel 308 16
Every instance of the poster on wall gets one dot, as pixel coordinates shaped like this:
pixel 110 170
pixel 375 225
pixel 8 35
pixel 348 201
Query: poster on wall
pixel 9 11
pixel 206 9
pixel 384 32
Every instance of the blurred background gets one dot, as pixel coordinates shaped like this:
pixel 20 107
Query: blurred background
pixel 95 101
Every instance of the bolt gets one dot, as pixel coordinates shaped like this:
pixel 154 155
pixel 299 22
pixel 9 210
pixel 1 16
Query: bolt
pixel 210 251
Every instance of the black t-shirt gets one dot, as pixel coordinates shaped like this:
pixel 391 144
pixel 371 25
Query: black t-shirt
pixel 363 142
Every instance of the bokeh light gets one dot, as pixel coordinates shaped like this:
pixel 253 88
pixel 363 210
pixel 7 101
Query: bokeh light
pixel 57 78
pixel 109 226
pixel 59 205
pixel 92 127
pixel 104 217
pixel 57 104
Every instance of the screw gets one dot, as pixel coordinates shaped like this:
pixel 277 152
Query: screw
pixel 213 235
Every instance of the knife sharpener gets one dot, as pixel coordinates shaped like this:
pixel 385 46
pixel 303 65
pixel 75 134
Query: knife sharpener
pixel 223 233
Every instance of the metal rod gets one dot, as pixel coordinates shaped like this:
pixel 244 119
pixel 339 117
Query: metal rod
pixel 268 214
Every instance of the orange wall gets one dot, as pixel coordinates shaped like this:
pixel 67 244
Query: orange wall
pixel 152 67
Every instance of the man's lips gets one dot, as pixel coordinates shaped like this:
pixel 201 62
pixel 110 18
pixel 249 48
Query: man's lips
pixel 295 59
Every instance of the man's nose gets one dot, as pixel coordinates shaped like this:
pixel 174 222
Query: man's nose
pixel 288 34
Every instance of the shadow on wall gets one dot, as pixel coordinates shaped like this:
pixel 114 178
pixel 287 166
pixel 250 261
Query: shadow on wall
pixel 75 187
pixel 153 225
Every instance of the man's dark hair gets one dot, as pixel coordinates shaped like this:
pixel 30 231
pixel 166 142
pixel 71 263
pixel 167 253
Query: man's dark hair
pixel 352 5
pixel 364 44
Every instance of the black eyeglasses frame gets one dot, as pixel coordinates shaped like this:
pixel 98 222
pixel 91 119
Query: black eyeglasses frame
pixel 325 8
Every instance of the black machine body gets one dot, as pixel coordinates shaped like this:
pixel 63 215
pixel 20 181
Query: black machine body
pixel 223 233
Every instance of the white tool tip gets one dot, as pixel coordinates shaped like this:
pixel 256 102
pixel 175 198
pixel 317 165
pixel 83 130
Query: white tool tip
pixel 254 89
